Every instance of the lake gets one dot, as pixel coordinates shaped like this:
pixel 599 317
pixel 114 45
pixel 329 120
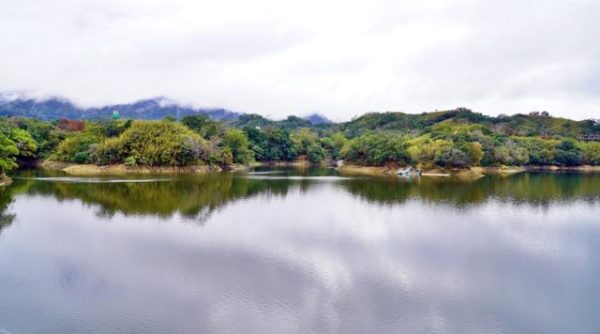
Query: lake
pixel 284 251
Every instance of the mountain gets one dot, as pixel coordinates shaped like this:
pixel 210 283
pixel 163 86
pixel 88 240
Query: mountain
pixel 57 108
pixel 317 119
pixel 532 124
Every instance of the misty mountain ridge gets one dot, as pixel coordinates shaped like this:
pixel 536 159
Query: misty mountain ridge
pixel 13 104
pixel 534 123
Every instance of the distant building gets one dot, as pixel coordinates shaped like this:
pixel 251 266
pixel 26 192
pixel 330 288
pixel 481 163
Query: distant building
pixel 592 137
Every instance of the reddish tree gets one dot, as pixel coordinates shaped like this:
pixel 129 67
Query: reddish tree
pixel 71 125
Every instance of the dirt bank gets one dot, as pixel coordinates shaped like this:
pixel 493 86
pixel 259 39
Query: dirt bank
pixel 5 180
pixel 499 170
pixel 347 169
pixel 584 169
pixel 465 174
pixel 89 169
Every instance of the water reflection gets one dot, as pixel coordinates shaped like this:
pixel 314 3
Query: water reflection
pixel 197 196
pixel 302 256
pixel 529 188
pixel 5 200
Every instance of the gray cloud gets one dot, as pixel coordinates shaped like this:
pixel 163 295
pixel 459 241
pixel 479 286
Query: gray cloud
pixel 341 58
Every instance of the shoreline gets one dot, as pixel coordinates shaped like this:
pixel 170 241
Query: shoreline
pixel 581 169
pixel 466 174
pixel 469 173
pixel 119 169
pixel 472 173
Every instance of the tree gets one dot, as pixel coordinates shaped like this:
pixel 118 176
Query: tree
pixel 423 150
pixel 307 142
pixel 8 152
pixel 195 122
pixel 338 141
pixel 568 154
pixel 76 148
pixel 520 156
pixel 155 143
pixel 259 142
pixel 239 146
pixel 475 153
pixel 280 146
pixel 377 149
pixel 591 153
pixel 25 144
pixel 315 153
pixel 303 139
pixel 502 155
pixel 452 157
pixel 203 125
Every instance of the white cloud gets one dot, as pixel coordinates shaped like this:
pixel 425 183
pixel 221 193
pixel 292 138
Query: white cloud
pixel 341 58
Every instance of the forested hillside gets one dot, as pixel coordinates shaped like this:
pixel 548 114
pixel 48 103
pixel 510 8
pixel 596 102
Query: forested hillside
pixel 533 124
pixel 454 139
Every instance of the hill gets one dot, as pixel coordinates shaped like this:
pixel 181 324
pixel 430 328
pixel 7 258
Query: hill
pixel 533 124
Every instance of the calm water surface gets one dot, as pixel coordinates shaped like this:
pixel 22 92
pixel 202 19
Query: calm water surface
pixel 300 252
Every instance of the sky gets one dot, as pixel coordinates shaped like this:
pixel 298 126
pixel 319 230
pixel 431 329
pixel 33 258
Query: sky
pixel 339 58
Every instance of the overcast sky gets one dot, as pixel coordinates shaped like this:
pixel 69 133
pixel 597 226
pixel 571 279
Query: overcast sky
pixel 340 58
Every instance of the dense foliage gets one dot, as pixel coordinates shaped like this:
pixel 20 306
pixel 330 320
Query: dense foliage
pixel 456 139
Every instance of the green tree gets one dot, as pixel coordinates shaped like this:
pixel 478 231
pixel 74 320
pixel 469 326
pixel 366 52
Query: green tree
pixel 8 152
pixel 591 153
pixel 239 145
pixel 155 143
pixel 279 146
pixel 78 147
pixel 568 154
pixel 315 153
pixel 377 149
pixel 334 144
pixel 202 125
pixel 25 144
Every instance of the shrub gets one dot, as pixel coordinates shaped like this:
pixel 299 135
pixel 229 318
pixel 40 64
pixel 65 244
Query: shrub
pixel 81 157
pixel 130 161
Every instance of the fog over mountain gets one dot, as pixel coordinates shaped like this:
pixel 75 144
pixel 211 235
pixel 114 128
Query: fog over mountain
pixel 57 108
pixel 276 58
